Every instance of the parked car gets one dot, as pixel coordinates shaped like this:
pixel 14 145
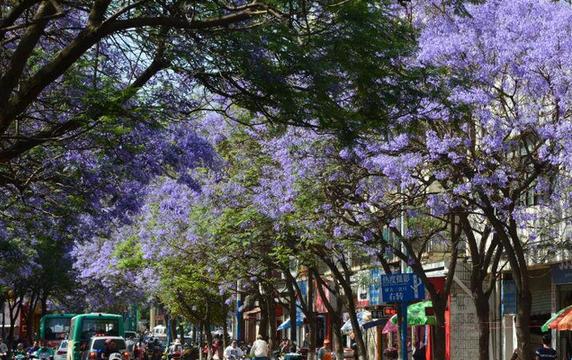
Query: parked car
pixel 61 351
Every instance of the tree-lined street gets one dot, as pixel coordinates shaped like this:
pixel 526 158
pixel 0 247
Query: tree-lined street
pixel 225 167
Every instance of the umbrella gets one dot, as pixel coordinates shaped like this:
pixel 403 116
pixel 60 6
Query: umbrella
pixel 362 318
pixel 390 326
pixel 286 324
pixel 415 316
pixel 556 319
pixel 566 322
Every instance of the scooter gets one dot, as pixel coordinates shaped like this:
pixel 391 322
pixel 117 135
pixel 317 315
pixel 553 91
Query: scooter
pixel 20 357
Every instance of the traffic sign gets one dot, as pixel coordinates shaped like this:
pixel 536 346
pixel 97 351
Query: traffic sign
pixel 399 288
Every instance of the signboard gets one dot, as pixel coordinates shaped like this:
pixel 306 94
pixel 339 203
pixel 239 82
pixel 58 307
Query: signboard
pixel 562 273
pixel 374 287
pixel 508 297
pixel 384 312
pixel 399 288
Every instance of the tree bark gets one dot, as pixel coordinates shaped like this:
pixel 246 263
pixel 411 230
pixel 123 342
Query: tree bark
pixel 344 281
pixel 337 330
pixel 263 326
pixel 14 311
pixel 483 311
pixel 334 312
pixel 30 318
pixel 3 320
pixel 272 343
pixel 524 308
pixel 45 297
pixel 311 316
pixel 209 335
pixel 292 309
pixel 224 326
pixel 439 338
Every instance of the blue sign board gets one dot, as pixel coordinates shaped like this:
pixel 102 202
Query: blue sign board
pixel 562 273
pixel 508 297
pixel 397 288
pixel 374 287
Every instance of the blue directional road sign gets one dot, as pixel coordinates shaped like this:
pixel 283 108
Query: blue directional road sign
pixel 398 288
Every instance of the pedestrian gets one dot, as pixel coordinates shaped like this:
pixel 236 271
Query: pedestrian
pixel 3 349
pixel 325 352
pixel 130 345
pixel 546 352
pixel 284 346
pixel 233 352
pixel 419 352
pixel 259 349
pixel 217 349
pixel 33 348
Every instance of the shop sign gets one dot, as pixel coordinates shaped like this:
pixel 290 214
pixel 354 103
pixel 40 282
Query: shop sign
pixel 562 273
pixel 508 297
pixel 383 312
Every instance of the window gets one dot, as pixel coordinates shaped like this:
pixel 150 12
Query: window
pixel 99 344
pixel 56 329
pixel 103 327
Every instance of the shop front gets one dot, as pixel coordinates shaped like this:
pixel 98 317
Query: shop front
pixel 562 289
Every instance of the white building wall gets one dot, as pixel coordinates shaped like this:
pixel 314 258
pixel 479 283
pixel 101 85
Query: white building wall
pixel 463 321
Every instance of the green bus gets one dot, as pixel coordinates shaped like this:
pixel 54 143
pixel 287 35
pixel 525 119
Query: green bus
pixel 85 326
pixel 54 328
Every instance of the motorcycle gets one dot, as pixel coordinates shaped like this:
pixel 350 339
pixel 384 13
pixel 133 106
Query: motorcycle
pixel 42 356
pixel 20 356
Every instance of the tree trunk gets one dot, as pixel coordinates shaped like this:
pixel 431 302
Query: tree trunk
pixel 30 319
pixel 483 308
pixel 182 332
pixel 311 316
pixel 293 314
pixel 524 307
pixel 312 338
pixel 263 326
pixel 3 321
pixel 338 337
pixel 334 312
pixel 362 351
pixel 272 343
pixel 344 281
pixel 209 335
pixel 14 312
pixel 439 338
pixel 224 326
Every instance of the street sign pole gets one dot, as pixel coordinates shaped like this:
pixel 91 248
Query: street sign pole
pixel 402 289
pixel 403 330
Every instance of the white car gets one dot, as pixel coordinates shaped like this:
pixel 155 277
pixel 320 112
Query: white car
pixel 97 347
pixel 62 351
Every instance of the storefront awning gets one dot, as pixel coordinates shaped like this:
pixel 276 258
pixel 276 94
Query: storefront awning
pixel 362 317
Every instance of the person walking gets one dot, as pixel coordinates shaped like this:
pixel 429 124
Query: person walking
pixel 419 353
pixel 325 352
pixel 546 352
pixel 259 349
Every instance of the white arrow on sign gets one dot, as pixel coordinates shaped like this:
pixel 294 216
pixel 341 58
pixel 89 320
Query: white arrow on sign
pixel 415 286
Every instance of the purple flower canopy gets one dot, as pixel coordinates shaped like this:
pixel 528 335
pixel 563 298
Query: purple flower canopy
pixel 507 62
